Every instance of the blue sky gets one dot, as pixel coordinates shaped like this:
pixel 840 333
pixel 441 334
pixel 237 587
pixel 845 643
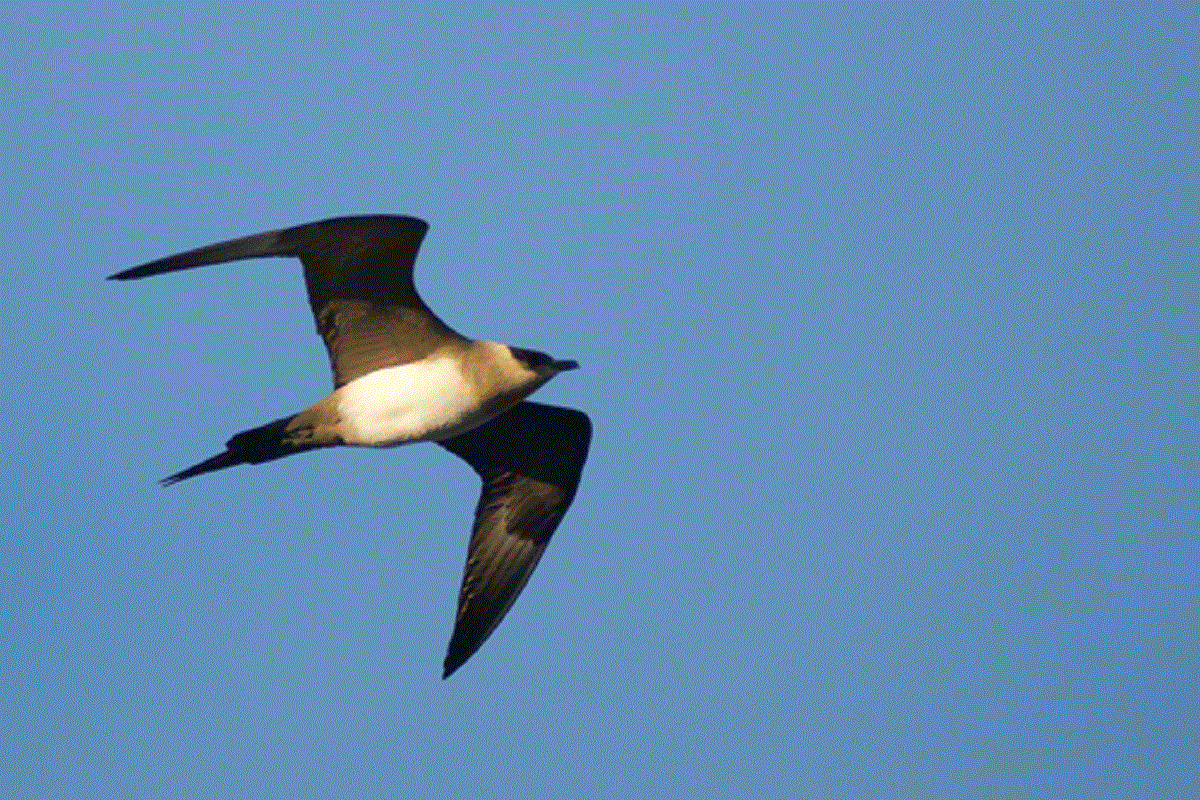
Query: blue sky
pixel 888 323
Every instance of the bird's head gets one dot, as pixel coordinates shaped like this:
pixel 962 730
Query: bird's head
pixel 542 364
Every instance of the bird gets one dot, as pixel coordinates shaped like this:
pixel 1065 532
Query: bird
pixel 401 375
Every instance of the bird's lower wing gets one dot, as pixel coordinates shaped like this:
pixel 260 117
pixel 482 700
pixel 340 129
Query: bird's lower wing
pixel 530 459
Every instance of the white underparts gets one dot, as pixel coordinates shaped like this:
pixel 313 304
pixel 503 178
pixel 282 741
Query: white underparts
pixel 422 401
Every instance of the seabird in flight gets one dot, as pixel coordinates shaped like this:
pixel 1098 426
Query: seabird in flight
pixel 402 375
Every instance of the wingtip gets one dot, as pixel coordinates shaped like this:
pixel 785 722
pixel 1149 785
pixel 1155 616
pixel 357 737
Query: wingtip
pixel 449 668
pixel 130 274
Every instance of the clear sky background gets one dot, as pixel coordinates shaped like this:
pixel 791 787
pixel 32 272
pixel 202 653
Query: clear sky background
pixel 888 318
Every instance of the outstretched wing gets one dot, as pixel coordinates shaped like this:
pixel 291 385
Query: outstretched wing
pixel 530 459
pixel 359 272
pixel 360 286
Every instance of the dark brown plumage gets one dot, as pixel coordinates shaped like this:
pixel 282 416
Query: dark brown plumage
pixel 530 459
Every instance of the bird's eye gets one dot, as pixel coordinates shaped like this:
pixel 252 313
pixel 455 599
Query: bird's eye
pixel 531 357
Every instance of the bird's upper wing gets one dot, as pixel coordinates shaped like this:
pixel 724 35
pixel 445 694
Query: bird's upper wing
pixel 530 459
pixel 360 286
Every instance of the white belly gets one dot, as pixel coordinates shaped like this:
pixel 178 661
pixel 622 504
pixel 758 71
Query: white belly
pixel 426 400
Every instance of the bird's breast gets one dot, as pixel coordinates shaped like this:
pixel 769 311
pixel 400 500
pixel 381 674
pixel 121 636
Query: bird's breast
pixel 422 401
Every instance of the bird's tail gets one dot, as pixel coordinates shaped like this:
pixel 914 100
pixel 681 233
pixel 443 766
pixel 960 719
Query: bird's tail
pixel 254 446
